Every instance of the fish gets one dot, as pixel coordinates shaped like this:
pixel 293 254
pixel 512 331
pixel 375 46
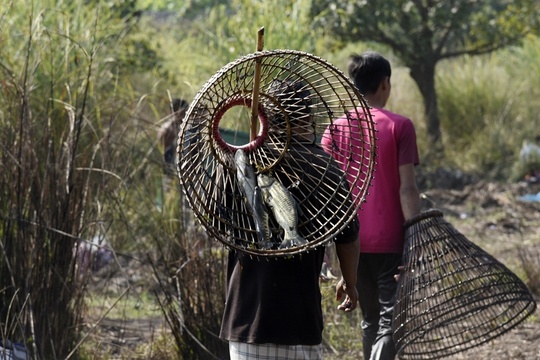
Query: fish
pixel 253 194
pixel 284 207
pixel 262 220
pixel 245 175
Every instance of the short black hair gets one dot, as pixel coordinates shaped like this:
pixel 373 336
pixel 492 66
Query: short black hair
pixel 368 70
pixel 294 98
pixel 179 104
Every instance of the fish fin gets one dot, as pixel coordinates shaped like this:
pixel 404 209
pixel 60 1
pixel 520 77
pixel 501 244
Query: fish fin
pixel 292 239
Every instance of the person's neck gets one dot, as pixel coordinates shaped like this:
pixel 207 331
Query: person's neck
pixel 375 101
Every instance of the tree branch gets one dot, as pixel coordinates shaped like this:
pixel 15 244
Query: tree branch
pixel 480 50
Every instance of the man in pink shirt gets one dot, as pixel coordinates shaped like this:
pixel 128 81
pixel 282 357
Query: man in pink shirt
pixel 392 198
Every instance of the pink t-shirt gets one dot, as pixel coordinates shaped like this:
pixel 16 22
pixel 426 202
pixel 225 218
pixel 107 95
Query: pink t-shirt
pixel 381 218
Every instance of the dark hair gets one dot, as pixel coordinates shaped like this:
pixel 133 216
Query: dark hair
pixel 293 96
pixel 179 104
pixel 368 70
pixel 290 99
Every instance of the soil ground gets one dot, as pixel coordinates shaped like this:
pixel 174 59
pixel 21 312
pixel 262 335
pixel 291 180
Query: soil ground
pixel 494 217
pixel 490 215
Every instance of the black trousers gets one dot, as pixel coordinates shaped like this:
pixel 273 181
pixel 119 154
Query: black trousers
pixel 377 289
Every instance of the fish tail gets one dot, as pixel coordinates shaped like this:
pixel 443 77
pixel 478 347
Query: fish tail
pixel 292 238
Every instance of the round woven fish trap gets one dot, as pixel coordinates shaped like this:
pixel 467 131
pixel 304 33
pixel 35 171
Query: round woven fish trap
pixel 452 295
pixel 257 177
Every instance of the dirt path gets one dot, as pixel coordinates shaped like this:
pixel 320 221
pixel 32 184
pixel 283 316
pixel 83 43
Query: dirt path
pixel 493 217
pixel 487 214
pixel 520 343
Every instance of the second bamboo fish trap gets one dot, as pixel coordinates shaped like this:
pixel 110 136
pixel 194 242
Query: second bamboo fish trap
pixel 265 115
pixel 452 295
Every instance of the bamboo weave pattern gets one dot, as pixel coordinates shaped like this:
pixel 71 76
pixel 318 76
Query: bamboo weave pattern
pixel 206 159
pixel 452 295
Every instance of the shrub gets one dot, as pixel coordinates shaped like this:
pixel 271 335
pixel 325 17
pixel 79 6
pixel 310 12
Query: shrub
pixel 63 124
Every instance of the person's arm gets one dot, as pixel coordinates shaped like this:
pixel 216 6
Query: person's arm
pixel 347 254
pixel 409 194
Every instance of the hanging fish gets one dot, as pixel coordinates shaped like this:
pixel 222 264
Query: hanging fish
pixel 261 217
pixel 283 206
pixel 245 175
pixel 248 185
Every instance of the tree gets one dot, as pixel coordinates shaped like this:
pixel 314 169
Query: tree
pixel 424 32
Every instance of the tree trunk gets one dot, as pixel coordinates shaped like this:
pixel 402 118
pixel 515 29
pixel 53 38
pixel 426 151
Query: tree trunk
pixel 424 76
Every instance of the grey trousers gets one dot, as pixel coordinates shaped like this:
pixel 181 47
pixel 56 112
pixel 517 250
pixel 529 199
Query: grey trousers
pixel 377 288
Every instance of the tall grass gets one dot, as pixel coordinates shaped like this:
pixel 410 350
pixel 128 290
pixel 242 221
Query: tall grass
pixel 488 106
pixel 223 33
pixel 478 110
pixel 63 123
pixel 192 297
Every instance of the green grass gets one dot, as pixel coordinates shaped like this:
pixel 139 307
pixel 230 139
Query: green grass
pixel 126 305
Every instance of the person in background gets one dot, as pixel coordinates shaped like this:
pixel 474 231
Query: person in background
pixel 168 136
pixel 273 307
pixel 529 160
pixel 392 198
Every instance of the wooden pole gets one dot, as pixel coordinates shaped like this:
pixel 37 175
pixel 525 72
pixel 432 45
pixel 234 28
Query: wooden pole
pixel 256 85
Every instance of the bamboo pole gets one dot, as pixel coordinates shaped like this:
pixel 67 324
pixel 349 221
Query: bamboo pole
pixel 256 85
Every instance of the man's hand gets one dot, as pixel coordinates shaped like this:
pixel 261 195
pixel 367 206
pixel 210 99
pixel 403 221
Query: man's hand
pixel 351 296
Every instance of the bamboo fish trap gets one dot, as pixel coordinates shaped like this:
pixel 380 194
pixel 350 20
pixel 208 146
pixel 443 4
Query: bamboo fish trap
pixel 452 295
pixel 284 100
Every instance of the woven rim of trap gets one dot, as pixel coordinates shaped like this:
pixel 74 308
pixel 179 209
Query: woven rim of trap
pixel 452 295
pixel 206 159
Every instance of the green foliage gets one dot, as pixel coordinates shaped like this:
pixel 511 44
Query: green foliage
pixel 487 105
pixel 221 34
pixel 423 33
pixel 67 131
pixel 502 22
pixel 184 8
pixel 523 68
pixel 162 5
pixel 434 30
pixel 477 108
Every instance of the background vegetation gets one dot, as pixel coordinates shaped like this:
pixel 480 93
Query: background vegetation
pixel 85 87
pixel 435 31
